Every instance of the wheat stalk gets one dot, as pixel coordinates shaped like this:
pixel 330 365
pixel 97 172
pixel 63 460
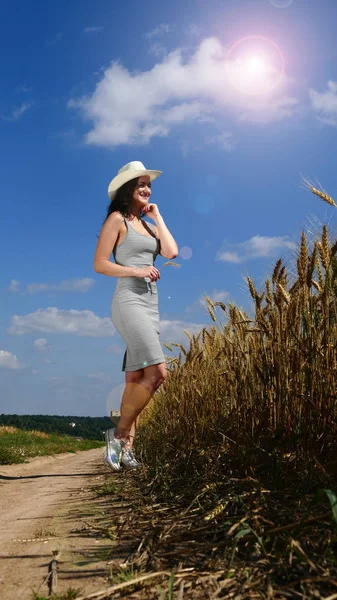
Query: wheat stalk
pixel 212 315
pixel 221 304
pixel 252 289
pixel 302 259
pixel 323 256
pixel 320 193
pixel 269 297
pixel 179 346
pixel 319 270
pixel 316 285
pixel 169 263
pixel 209 301
pixel 312 265
pixel 286 297
pixel 276 270
pixel 325 244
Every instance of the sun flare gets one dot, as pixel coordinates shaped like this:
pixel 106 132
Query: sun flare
pixel 255 65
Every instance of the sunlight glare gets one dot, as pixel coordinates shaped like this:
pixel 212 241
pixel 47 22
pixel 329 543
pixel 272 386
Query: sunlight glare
pixel 255 65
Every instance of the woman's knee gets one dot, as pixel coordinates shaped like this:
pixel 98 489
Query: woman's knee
pixel 134 376
pixel 156 373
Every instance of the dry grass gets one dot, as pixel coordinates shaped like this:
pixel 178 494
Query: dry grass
pixel 258 392
pixel 40 434
pixel 7 429
pixel 10 429
pixel 233 539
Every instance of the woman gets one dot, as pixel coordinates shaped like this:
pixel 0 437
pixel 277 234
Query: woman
pixel 134 308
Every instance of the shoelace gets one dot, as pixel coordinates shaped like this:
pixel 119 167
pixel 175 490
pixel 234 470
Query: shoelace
pixel 130 454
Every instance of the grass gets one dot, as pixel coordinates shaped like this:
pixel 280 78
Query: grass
pixel 107 488
pixel 16 445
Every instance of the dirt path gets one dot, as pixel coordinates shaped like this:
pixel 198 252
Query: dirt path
pixel 49 505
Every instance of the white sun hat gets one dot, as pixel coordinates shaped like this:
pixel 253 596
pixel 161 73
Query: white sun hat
pixel 130 171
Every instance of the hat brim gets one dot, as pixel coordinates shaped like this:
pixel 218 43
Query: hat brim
pixel 122 178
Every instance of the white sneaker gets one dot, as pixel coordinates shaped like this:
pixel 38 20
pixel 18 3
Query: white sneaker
pixel 128 460
pixel 113 450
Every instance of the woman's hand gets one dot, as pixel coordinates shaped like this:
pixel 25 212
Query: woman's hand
pixel 151 272
pixel 151 210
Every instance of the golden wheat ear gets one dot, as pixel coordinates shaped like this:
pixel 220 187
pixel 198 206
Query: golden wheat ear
pixel 320 193
pixel 169 263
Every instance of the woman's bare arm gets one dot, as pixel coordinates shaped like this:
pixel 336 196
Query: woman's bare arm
pixel 105 246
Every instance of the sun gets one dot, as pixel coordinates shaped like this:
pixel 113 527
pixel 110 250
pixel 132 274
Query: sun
pixel 255 65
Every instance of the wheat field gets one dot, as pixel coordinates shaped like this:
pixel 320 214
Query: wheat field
pixel 255 392
pixel 237 494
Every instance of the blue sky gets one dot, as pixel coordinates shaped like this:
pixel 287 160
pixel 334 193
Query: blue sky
pixel 196 90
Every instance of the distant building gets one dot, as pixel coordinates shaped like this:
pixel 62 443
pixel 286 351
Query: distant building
pixel 115 413
pixel 72 424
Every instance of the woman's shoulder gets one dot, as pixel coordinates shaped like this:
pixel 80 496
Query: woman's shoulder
pixel 116 217
pixel 115 222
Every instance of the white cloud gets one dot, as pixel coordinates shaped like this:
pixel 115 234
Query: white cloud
pixel 325 103
pixel 14 285
pixel 8 360
pixel 263 112
pixel 132 107
pixel 157 49
pixel 41 345
pixel 258 246
pixel 68 285
pixel 159 31
pixel 173 331
pixel 232 257
pixel 18 112
pixel 93 29
pixel 215 296
pixel 225 140
pixel 193 29
pixel 54 320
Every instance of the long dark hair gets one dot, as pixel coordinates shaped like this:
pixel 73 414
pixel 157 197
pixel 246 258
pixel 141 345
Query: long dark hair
pixel 123 200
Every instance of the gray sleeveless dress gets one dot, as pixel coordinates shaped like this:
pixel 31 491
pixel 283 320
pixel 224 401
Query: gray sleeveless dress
pixel 134 305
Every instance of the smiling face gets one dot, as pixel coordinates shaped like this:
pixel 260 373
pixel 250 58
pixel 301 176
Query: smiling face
pixel 142 192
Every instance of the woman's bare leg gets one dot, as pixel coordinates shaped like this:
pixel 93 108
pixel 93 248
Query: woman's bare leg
pixel 133 430
pixel 137 394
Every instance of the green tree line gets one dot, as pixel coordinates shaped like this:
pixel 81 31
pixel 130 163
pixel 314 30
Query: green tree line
pixel 91 428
